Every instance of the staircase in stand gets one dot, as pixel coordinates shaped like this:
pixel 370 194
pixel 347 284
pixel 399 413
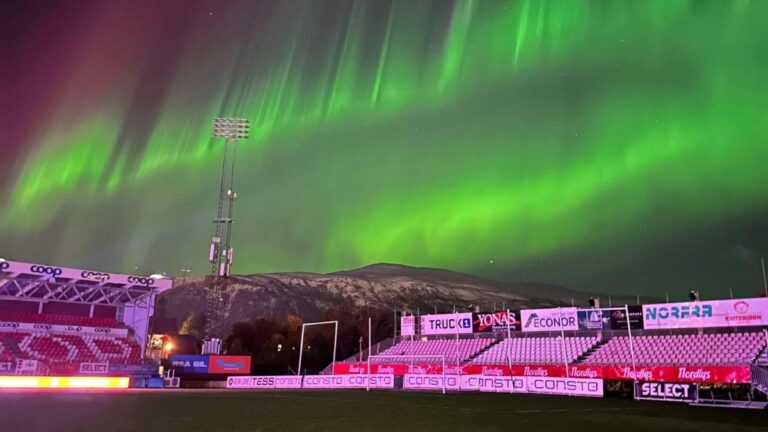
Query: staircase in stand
pixel 10 343
pixel 469 359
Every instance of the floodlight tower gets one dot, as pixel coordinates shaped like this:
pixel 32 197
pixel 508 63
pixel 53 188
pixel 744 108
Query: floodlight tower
pixel 221 253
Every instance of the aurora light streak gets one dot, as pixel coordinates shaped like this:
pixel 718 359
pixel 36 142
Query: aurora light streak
pixel 617 146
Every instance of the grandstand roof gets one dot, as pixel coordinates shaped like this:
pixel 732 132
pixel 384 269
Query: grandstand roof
pixel 29 281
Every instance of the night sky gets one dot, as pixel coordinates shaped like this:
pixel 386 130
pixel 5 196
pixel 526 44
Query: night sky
pixel 616 146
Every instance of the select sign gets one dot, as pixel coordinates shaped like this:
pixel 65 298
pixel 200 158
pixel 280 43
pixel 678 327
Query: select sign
pixel 684 392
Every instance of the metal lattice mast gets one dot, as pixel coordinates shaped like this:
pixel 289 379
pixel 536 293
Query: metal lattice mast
pixel 221 252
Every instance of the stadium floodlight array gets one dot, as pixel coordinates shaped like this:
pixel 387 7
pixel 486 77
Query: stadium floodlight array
pixel 407 360
pixel 231 128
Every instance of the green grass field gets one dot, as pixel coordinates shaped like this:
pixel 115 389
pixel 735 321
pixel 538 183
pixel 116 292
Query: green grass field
pixel 234 411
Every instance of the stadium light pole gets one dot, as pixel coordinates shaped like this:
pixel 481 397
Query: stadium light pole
pixel 221 253
pixel 765 283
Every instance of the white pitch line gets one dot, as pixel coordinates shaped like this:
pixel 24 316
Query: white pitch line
pixel 416 405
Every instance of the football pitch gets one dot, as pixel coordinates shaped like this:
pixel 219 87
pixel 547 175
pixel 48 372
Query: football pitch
pixel 339 411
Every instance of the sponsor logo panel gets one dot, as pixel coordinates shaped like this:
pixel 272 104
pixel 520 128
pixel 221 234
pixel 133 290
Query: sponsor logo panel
pixel 501 384
pixel 94 368
pixel 379 381
pixel 458 323
pixel 264 382
pixel 619 318
pixel 408 325
pixel 218 364
pixel 594 319
pixel 496 322
pixel 555 319
pixel 666 391
pixel 431 382
pixel 46 270
pixel 565 386
pixel 719 313
pixel 191 364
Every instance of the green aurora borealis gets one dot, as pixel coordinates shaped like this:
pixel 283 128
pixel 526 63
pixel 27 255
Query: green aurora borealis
pixel 616 146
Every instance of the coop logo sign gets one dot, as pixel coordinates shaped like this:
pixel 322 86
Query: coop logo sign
pixel 720 313
pixel 44 270
pixel 95 276
pixel 679 392
pixel 458 323
pixel 538 320
pixel 140 280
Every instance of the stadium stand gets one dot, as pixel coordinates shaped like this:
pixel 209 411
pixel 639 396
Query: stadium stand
pixel 61 352
pixel 454 350
pixel 536 350
pixel 43 318
pixel 681 349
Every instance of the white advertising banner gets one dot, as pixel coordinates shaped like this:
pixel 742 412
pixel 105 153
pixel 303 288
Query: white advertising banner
pixel 431 382
pixel 408 325
pixel 501 384
pixel 264 382
pixel 26 366
pixel 718 313
pixel 67 329
pixel 94 368
pixel 374 381
pixel 565 386
pixel 548 320
pixel 458 323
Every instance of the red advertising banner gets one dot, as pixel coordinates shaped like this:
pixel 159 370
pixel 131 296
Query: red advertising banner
pixel 717 374
pixel 218 364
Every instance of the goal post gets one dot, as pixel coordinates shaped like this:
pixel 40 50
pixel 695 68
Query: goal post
pixel 335 341
pixel 407 360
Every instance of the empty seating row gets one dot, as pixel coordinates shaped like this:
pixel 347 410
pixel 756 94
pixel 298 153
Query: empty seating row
pixel 53 349
pixel 537 350
pixel 36 318
pixel 696 349
pixel 454 350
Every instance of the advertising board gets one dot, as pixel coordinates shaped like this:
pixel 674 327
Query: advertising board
pixel 666 391
pixel 408 325
pixel 265 382
pixel 718 313
pixel 190 364
pixel 497 322
pixel 549 320
pixel 458 323
pixel 219 364
pixel 374 381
